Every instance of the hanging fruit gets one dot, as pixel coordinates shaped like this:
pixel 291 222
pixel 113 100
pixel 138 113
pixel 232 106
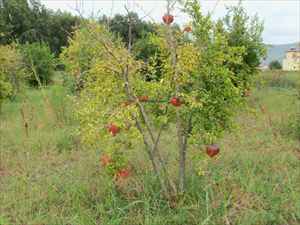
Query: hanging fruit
pixel 168 19
pixel 212 150
pixel 113 129
pixel 175 101
pixel 123 174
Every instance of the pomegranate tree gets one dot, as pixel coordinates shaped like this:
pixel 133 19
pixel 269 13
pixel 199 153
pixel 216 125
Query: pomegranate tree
pixel 195 92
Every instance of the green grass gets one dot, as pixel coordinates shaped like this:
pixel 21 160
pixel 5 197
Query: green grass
pixel 281 79
pixel 48 177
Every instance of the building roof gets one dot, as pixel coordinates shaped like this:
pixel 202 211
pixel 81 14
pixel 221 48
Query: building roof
pixel 294 50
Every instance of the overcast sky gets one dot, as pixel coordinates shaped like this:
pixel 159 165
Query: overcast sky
pixel 281 17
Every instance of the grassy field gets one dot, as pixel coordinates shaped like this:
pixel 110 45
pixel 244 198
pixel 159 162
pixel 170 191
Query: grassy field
pixel 48 177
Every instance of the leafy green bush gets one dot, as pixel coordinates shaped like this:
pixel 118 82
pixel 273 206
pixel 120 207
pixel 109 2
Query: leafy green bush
pixel 5 88
pixel 84 48
pixel 149 49
pixel 12 71
pixel 40 63
pixel 194 92
pixel 275 65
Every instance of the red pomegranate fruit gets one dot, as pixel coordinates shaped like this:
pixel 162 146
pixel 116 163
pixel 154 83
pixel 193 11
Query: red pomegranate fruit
pixel 113 129
pixel 168 19
pixel 175 101
pixel 212 150
pixel 123 173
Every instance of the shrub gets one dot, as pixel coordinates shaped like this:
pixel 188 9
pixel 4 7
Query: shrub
pixel 84 48
pixel 40 63
pixel 193 99
pixel 12 72
pixel 118 109
pixel 5 88
pixel 275 65
pixel 149 50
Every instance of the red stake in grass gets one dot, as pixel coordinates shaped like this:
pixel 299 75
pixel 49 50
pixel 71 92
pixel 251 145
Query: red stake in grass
pixel 175 101
pixel 212 150
pixel 168 19
pixel 113 129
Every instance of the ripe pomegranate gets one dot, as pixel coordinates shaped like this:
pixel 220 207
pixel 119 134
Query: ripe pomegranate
pixel 168 19
pixel 212 150
pixel 143 98
pixel 175 101
pixel 187 29
pixel 113 129
pixel 105 160
pixel 123 173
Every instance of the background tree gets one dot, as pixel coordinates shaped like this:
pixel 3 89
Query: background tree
pixel 12 71
pixel 40 63
pixel 118 108
pixel 29 21
pixel 14 20
pixel 246 33
pixel 148 49
pixel 275 65
pixel 119 26
pixel 82 52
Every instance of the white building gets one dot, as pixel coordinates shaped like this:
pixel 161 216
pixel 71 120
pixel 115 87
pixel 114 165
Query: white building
pixel 291 62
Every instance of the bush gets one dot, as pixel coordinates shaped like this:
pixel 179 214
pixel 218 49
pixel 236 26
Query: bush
pixel 275 65
pixel 193 98
pixel 194 91
pixel 5 88
pixel 83 49
pixel 40 63
pixel 149 50
pixel 12 71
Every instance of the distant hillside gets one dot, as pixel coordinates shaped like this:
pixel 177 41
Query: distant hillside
pixel 277 52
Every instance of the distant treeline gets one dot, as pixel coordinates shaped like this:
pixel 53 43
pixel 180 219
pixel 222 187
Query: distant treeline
pixel 28 21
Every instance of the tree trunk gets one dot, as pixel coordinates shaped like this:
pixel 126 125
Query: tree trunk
pixel 182 157
pixel 183 133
